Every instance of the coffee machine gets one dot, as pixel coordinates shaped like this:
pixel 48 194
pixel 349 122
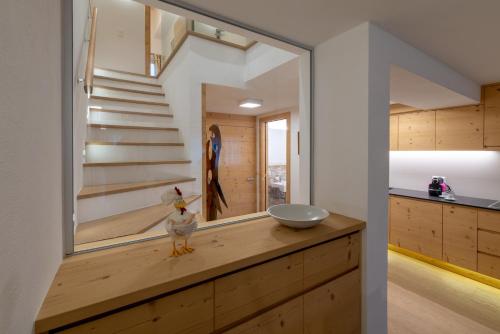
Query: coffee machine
pixel 438 186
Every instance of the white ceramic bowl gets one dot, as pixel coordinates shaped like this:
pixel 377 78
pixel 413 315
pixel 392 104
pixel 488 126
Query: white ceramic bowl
pixel 298 215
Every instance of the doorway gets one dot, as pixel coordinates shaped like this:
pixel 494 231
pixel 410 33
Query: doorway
pixel 274 158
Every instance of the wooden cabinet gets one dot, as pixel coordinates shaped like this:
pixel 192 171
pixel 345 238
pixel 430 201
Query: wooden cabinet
pixel 488 261
pixel 488 264
pixel 393 132
pixel 417 131
pixel 331 259
pixel 334 307
pixel 417 225
pixel 491 96
pixel 459 128
pixel 284 319
pixel 489 242
pixel 243 293
pixel 489 220
pixel 460 236
pixel 188 311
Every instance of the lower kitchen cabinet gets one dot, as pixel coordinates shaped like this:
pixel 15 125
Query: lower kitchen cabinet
pixel 460 236
pixel 489 265
pixel 417 226
pixel 334 307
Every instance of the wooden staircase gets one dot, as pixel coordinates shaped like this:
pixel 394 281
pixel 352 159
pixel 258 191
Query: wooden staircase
pixel 133 154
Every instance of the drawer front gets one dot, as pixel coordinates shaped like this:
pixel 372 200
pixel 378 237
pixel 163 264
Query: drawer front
pixel 489 242
pixel 488 265
pixel 188 311
pixel 460 236
pixel 284 319
pixel 326 261
pixel 489 220
pixel 335 307
pixel 246 292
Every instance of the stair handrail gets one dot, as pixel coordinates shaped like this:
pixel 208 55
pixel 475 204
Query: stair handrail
pixel 89 69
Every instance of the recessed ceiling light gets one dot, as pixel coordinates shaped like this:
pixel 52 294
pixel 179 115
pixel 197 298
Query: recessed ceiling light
pixel 251 103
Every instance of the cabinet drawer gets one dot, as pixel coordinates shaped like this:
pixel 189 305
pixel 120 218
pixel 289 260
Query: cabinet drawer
pixel 188 311
pixel 489 220
pixel 489 242
pixel 324 262
pixel 284 319
pixel 335 307
pixel 246 292
pixel 488 265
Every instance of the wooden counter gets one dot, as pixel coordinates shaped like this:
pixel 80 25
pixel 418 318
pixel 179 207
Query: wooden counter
pixel 96 283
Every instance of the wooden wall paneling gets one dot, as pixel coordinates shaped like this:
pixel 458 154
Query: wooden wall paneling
pixel 460 128
pixel 324 262
pixel 460 236
pixel 488 265
pixel 489 220
pixel 394 132
pixel 262 166
pixel 188 311
pixel 489 242
pixel 204 138
pixel 284 319
pixel 492 115
pixel 417 226
pixel 398 108
pixel 147 38
pixel 244 293
pixel 334 308
pixel 417 131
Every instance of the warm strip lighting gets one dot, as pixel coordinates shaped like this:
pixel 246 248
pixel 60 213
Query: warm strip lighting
pixel 251 103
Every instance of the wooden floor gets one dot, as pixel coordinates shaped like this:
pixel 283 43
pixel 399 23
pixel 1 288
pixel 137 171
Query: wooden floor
pixel 423 299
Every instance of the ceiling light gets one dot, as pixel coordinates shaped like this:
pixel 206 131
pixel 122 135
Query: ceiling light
pixel 251 103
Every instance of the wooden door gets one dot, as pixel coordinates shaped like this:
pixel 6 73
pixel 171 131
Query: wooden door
pixel 238 162
pixel 460 236
pixel 459 128
pixel 417 226
pixel 492 116
pixel 334 308
pixel 393 130
pixel 417 131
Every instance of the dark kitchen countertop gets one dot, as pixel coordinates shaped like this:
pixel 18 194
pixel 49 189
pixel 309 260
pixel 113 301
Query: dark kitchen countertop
pixel 481 203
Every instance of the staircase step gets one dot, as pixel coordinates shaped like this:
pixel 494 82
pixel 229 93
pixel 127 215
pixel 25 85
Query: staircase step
pixel 103 77
pixel 142 75
pixel 99 142
pixel 128 90
pixel 121 100
pixel 110 189
pixel 129 112
pixel 135 163
pixel 132 222
pixel 130 127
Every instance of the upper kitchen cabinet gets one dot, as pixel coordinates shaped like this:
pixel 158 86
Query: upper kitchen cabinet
pixel 394 132
pixel 459 128
pixel 417 131
pixel 492 116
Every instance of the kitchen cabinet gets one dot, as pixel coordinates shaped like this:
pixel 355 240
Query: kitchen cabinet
pixel 491 97
pixel 488 261
pixel 340 297
pixel 460 236
pixel 459 128
pixel 417 131
pixel 394 132
pixel 488 264
pixel 417 225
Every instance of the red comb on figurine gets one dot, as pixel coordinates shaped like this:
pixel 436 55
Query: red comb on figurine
pixel 178 191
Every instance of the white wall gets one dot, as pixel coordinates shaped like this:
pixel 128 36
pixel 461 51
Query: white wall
pixel 30 158
pixel 120 42
pixel 469 173
pixel 261 58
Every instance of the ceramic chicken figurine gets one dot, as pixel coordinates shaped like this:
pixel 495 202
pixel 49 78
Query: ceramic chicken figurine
pixel 180 224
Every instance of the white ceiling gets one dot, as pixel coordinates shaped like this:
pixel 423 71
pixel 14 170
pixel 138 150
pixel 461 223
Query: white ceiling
pixel 278 88
pixel 412 90
pixel 462 33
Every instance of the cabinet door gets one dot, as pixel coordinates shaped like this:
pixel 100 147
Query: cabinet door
pixel 246 292
pixel 489 265
pixel 188 311
pixel 459 128
pixel 284 319
pixel 417 226
pixel 492 116
pixel 335 307
pixel 393 130
pixel 460 236
pixel 417 131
